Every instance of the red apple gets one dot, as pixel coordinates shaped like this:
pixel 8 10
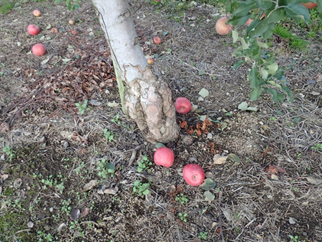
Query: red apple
pixel 193 174
pixel 38 49
pixel 182 105
pixel 221 26
pixel 33 29
pixel 163 156
pixel 150 61
pixel 36 13
pixel 157 40
pixel 309 5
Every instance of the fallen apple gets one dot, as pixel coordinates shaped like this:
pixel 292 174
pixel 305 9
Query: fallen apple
pixel 33 29
pixel 193 174
pixel 182 105
pixel 164 156
pixel 36 13
pixel 157 40
pixel 38 49
pixel 150 61
pixel 221 27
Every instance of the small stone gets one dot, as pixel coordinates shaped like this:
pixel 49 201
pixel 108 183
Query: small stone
pixel 30 224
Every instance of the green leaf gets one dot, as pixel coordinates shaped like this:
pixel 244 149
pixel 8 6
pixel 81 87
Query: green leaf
pixel 276 15
pixel 244 44
pixel 255 93
pixel 272 68
pixel 238 20
pixel 280 97
pixel 110 167
pixel 235 36
pixel 258 30
pixel 238 63
pixel 252 109
pixel 261 44
pixel 264 74
pixel 265 4
pixel 204 92
pixel 253 78
pixel 209 196
pixel 158 145
pixel 297 12
pixel 273 92
pixel 208 184
pixel 244 9
pixel 234 157
pixel 243 106
pixel 146 192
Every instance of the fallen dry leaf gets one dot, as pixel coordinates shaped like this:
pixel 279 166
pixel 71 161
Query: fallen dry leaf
pixel 314 181
pixel 219 159
pixel 90 185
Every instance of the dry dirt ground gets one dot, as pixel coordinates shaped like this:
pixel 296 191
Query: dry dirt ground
pixel 67 173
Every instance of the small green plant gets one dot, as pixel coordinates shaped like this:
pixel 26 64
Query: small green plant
pixel 71 4
pixel 116 119
pixel 105 169
pixel 181 198
pixel 141 188
pixel 317 147
pixel 6 6
pixel 144 164
pixel 82 107
pixel 109 135
pixel 9 152
pixel 183 216
pixel 203 235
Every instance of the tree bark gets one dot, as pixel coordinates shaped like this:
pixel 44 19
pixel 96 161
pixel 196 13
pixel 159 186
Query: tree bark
pixel 145 98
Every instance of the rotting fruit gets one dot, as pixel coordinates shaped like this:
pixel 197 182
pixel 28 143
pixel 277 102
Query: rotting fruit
pixel 164 156
pixel 193 174
pixel 150 61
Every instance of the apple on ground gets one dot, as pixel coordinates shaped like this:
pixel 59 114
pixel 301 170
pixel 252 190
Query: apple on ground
pixel 182 105
pixel 33 29
pixel 221 27
pixel 38 49
pixel 36 13
pixel 157 40
pixel 150 61
pixel 164 156
pixel 193 174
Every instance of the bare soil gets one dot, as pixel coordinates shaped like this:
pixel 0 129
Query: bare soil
pixel 54 179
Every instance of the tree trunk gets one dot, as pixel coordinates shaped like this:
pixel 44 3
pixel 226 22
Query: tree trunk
pixel 145 98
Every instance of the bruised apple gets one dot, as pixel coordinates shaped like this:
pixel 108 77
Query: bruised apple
pixel 193 174
pixel 38 49
pixel 182 105
pixel 163 156
pixel 221 27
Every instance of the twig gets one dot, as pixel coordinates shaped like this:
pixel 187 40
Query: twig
pixel 134 155
pixel 219 214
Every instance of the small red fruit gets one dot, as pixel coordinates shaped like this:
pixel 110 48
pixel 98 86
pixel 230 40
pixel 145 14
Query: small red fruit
pixel 182 105
pixel 36 13
pixel 310 5
pixel 33 29
pixel 163 156
pixel 150 61
pixel 221 26
pixel 157 40
pixel 193 174
pixel 38 49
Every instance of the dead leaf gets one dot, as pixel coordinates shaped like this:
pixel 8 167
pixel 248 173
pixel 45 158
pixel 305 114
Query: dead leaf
pixel 90 185
pixel 314 181
pixel 219 159
pixel 274 177
pixel 111 191
pixel 85 212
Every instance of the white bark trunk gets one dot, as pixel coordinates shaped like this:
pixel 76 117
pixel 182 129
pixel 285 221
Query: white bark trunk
pixel 146 99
